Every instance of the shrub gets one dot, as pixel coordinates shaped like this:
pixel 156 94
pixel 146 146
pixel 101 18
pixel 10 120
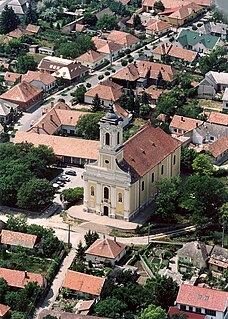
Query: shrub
pixel 107 73
pixel 124 63
pixel 199 24
pixel 130 59
pixel 88 85
pixel 194 28
pixel 100 77
pixel 127 51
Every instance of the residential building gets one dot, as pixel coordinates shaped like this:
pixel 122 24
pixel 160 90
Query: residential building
pixel 50 64
pixel 19 279
pixel 18 33
pixel 210 302
pixel 83 284
pixel 72 72
pixel 213 82
pixel 84 307
pixel 105 250
pixel 182 125
pixel 4 311
pixel 207 133
pixel 158 28
pixel 12 78
pixel 144 74
pixel 43 81
pixel 109 49
pixel 217 118
pixel 193 254
pixel 8 111
pixel 127 40
pixel 18 6
pixel 12 238
pixel 202 43
pixel 148 5
pixel 189 315
pixel 107 91
pixel 153 92
pixel 91 59
pixel 123 179
pixel 218 29
pixel 45 50
pixel 218 261
pixel 219 150
pixel 174 53
pixel 65 315
pixel 225 100
pixel 68 150
pixel 24 94
pixel 33 28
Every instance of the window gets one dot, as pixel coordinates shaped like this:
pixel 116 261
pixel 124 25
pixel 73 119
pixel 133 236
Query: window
pixel 198 310
pixel 120 197
pixel 199 297
pixel 162 169
pixel 107 139
pixel 106 193
pixel 118 138
pixel 175 130
pixel 182 307
pixel 106 162
pixel 152 177
pixel 210 312
pixel 142 185
pixel 174 159
pixel 190 308
pixel 92 190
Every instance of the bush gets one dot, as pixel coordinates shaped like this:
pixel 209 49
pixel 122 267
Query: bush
pixel 121 54
pixel 107 73
pixel 194 28
pixel 88 85
pixel 124 63
pixel 199 24
pixel 100 77
pixel 127 51
pixel 130 60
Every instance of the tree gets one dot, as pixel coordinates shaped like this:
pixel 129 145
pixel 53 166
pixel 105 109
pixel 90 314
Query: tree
pixel 159 6
pixel 162 290
pixel 187 157
pixel 49 10
pixel 153 312
pixel 107 22
pixel 136 21
pixel 178 315
pixel 30 14
pixel 8 20
pixel 90 19
pixel 17 315
pixel 72 195
pixel 3 289
pixel 144 110
pixel 166 202
pixel 51 243
pixel 17 223
pixel 26 63
pixel 96 104
pixel 90 238
pixel 88 127
pixel 202 165
pixel 75 48
pixel 36 194
pixel 111 307
pixel 80 253
pixel 79 93
pixel 215 61
pixel 145 98
pixel 184 79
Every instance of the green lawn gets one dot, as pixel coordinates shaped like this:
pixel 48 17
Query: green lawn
pixel 37 57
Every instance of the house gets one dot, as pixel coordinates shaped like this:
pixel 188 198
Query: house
pixel 19 279
pixel 217 118
pixel 189 315
pixel 72 72
pixel 4 311
pixel 18 33
pixel 50 64
pixel 82 284
pixel 12 238
pixel 207 133
pixel 213 82
pixel 65 315
pixel 8 111
pixel 109 49
pixel 33 28
pixel 42 81
pixel 218 261
pixel 202 43
pixel 103 12
pixel 174 53
pixel 181 124
pixel 68 150
pixel 219 150
pixel 18 6
pixel 105 250
pixel 12 78
pixel 123 180
pixel 193 254
pixel 219 30
pixel 148 5
pixel 210 302
pixel 91 59
pixel 158 28
pixel 84 307
pixel 127 40
pixel 46 51
pixel 144 74
pixel 181 15
pixel 153 92
pixel 60 118
pixel 225 100
pixel 107 91
pixel 24 94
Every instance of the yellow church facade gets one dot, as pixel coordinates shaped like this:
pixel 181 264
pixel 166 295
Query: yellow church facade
pixel 123 180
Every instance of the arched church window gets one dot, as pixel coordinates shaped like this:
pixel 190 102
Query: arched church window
pixel 92 190
pixel 120 197
pixel 106 193
pixel 118 138
pixel 107 139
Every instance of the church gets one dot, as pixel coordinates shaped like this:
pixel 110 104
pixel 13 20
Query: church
pixel 123 179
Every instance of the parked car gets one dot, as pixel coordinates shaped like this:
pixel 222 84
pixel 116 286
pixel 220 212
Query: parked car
pixel 70 172
pixel 64 178
pixel 55 185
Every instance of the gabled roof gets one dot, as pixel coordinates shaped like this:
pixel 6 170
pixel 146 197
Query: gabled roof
pixel 33 28
pixel 90 56
pixel 84 283
pixel 109 47
pixel 106 92
pixel 177 3
pixel 219 257
pixel 184 54
pixel 147 148
pixel 122 38
pixel 195 250
pixel 22 92
pixel 188 37
pixel 9 237
pixel 218 118
pixel 158 26
pixel 71 71
pixel 219 146
pixel 186 11
pixel 202 297
pixel 12 77
pixel 53 63
pixel 5 107
pixel 184 123
pixel 189 315
pixel 19 279
pixel 44 78
pixel 3 310
pixel 106 248
pixel 217 77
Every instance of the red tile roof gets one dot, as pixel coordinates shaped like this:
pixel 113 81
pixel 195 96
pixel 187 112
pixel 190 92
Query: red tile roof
pixel 19 279
pixel 186 11
pixel 79 27
pixel 90 56
pixel 33 28
pixel 184 123
pixel 158 26
pixel 106 91
pixel 14 238
pixel 148 148
pixel 45 78
pixel 218 118
pixel 12 77
pixel 84 283
pixel 106 248
pixel 219 146
pixel 177 3
pixel 202 297
pixel 189 315
pixel 122 38
pixel 3 310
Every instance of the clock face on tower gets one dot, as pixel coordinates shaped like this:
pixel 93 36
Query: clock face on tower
pixel 107 127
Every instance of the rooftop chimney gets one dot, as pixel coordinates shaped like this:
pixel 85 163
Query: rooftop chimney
pixel 52 104
pixel 115 239
pixel 42 125
pixel 26 274
pixel 51 117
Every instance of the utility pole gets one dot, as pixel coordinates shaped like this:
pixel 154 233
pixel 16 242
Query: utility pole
pixel 68 236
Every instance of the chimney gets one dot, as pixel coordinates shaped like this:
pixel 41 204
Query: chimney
pixel 26 274
pixel 182 119
pixel 51 117
pixel 42 125
pixel 115 239
pixel 52 104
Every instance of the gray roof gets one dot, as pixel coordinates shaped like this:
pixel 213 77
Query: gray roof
pixel 219 28
pixel 220 253
pixel 210 129
pixel 103 12
pixel 225 95
pixel 195 250
pixel 6 106
pixel 218 77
